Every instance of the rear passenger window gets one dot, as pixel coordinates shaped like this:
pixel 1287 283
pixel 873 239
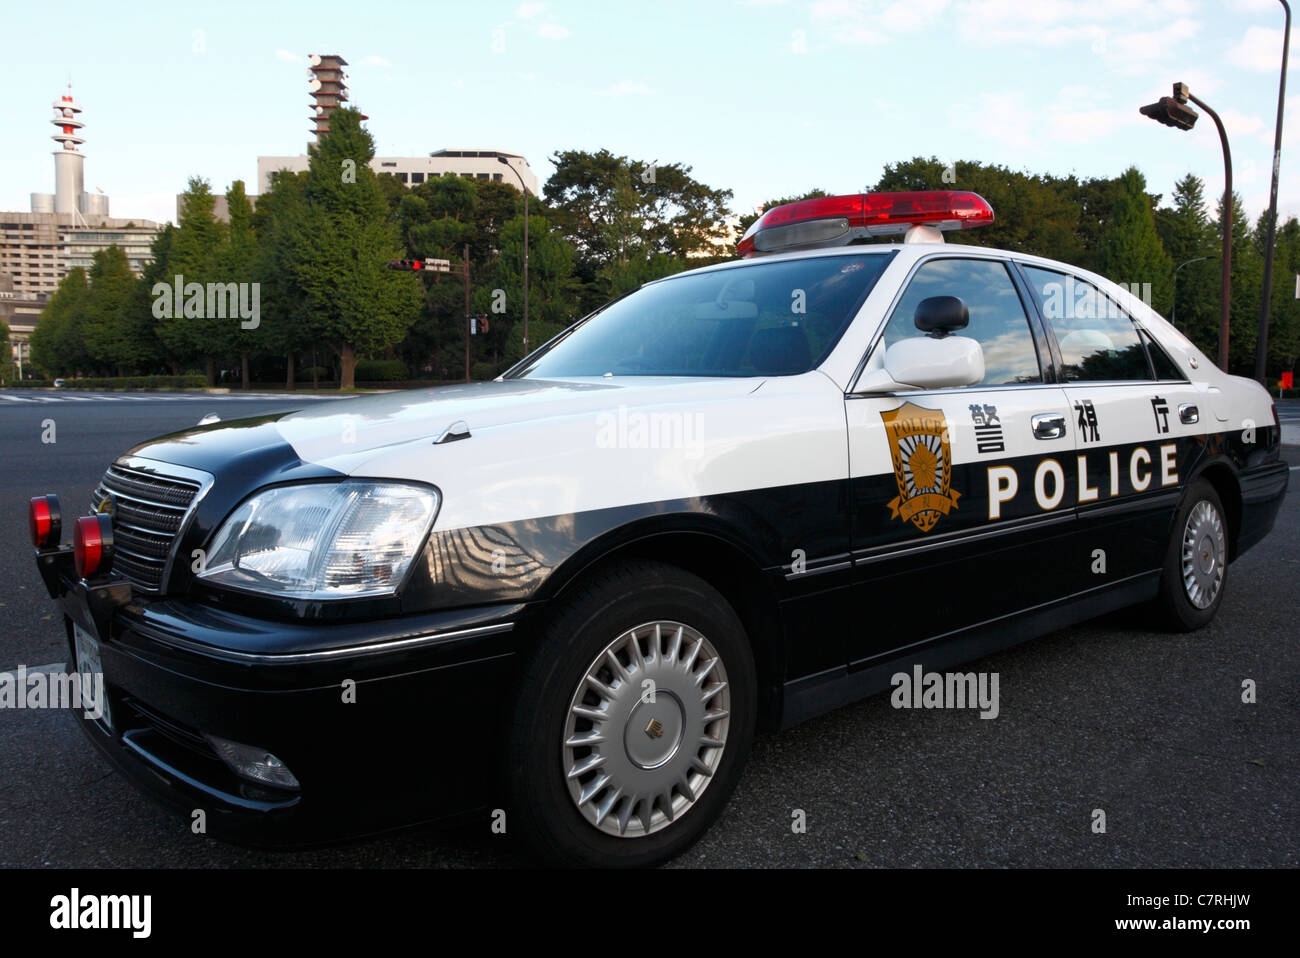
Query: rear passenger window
pixel 997 316
pixel 1164 366
pixel 1098 339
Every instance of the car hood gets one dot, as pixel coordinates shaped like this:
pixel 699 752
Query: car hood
pixel 342 435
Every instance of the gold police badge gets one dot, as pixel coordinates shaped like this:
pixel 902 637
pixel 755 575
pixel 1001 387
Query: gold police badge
pixel 918 444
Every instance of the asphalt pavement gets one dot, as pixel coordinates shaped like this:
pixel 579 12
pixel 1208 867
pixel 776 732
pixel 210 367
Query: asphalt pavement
pixel 1149 728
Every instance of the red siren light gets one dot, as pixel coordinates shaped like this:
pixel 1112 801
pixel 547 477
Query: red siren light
pixel 840 220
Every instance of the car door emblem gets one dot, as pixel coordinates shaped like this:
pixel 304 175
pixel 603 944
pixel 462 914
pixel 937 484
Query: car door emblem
pixel 922 456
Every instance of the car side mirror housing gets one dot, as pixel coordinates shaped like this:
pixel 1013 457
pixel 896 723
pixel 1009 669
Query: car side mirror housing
pixel 939 316
pixel 924 362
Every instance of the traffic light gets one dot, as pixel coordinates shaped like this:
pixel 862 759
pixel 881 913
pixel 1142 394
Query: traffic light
pixel 1169 111
pixel 406 264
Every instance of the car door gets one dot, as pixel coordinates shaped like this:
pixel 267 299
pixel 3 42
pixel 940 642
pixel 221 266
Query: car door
pixel 962 499
pixel 1140 423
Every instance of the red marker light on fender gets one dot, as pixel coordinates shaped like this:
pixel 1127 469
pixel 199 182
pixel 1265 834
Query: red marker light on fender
pixel 92 545
pixel 45 522
pixel 839 220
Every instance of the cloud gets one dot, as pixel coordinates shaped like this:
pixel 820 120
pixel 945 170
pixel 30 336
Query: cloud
pixel 1260 49
pixel 628 88
pixel 1088 126
pixel 528 15
pixel 867 23
pixel 1005 113
pixel 291 57
pixel 373 61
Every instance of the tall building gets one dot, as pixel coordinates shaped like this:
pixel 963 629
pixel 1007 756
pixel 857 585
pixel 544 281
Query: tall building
pixel 63 230
pixel 329 90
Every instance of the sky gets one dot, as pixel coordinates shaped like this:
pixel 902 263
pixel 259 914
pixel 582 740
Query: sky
pixel 764 97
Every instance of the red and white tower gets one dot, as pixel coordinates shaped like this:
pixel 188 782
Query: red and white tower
pixel 69 175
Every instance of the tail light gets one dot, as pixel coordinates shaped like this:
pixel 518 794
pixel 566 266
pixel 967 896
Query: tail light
pixel 92 545
pixel 45 521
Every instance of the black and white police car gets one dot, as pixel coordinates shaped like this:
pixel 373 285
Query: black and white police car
pixel 733 499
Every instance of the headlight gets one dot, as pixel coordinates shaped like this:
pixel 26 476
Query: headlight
pixel 323 540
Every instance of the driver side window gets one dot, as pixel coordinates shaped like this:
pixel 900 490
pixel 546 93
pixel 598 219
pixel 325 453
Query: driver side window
pixel 998 321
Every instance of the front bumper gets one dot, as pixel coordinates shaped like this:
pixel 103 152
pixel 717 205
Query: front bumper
pixel 384 724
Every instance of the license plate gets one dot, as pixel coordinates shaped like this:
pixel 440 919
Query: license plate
pixel 94 698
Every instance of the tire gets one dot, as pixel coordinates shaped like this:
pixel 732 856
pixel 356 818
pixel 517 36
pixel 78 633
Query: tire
pixel 1195 572
pixel 639 744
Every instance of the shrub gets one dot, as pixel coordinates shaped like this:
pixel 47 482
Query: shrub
pixel 381 371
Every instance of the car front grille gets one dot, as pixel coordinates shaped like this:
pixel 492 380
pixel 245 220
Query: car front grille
pixel 149 510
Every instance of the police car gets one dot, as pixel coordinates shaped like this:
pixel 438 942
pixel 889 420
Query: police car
pixel 733 499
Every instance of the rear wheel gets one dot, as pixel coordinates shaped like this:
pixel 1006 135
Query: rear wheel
pixel 1196 563
pixel 633 719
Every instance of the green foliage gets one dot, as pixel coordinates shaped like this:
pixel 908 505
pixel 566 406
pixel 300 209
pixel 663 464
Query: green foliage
pixel 382 370
pixel 1032 214
pixel 189 381
pixel 614 209
pixel 1129 250
pixel 356 303
pixel 482 371
pixel 58 341
pixel 117 339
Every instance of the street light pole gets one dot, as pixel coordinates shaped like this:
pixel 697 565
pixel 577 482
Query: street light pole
pixel 524 187
pixel 1174 111
pixel 1266 299
pixel 1173 315
pixel 1225 281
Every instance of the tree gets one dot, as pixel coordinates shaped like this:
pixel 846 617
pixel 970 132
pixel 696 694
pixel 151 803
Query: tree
pixel 1129 251
pixel 1187 234
pixel 356 302
pixel 112 335
pixel 1032 214
pixel 281 224
pixel 552 286
pixel 194 253
pixel 1247 279
pixel 237 262
pixel 58 345
pixel 613 209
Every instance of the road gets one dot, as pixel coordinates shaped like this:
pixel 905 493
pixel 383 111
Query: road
pixel 1150 728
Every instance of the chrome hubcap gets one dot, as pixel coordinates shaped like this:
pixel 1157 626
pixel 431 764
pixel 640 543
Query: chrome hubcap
pixel 646 729
pixel 1204 553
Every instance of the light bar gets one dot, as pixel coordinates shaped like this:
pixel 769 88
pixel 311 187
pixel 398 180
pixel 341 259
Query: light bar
pixel 839 220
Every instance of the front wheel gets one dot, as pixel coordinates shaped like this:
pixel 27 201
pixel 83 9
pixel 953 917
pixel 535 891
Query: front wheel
pixel 634 716
pixel 1196 564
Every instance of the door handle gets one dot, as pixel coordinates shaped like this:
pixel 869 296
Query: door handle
pixel 1188 413
pixel 1048 425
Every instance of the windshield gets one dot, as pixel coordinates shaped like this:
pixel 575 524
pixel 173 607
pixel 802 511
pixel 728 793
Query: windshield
pixel 766 319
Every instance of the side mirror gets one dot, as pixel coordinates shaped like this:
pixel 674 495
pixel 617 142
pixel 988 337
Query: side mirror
pixel 927 363
pixel 940 315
